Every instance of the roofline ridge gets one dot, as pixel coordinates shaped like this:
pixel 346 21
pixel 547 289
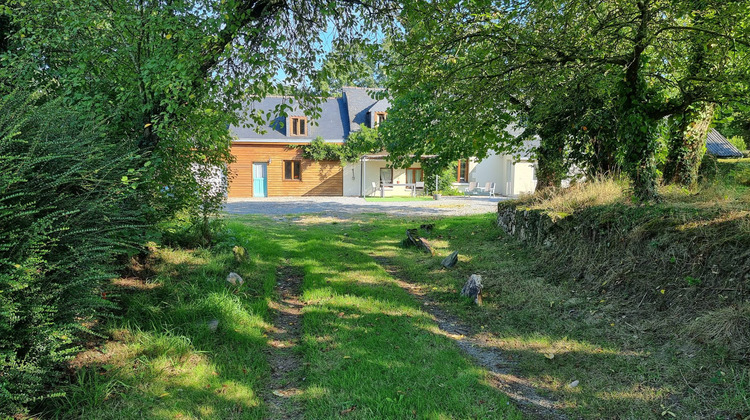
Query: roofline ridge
pixel 294 97
pixel 363 88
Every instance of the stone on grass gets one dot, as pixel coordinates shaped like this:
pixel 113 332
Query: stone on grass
pixel 473 288
pixel 240 253
pixel 234 278
pixel 450 260
pixel 213 324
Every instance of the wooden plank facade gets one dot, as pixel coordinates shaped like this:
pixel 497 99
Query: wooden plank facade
pixel 317 178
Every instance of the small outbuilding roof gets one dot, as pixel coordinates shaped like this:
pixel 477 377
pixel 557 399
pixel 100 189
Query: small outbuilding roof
pixel 719 146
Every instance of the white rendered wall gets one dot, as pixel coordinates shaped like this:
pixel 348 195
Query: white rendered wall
pixel 489 170
pixel 352 179
pixel 524 178
pixel 372 174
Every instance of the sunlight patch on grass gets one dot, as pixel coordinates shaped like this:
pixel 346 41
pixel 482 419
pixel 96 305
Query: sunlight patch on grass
pixel 365 340
pixel 165 359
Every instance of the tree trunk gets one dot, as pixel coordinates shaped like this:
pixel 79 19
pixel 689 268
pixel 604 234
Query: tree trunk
pixel 688 144
pixel 551 166
pixel 637 127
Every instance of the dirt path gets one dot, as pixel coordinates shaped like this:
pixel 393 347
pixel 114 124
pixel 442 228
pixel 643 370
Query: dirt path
pixel 483 350
pixel 282 346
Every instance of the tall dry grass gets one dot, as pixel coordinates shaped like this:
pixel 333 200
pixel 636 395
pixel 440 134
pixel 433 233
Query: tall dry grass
pixel 599 191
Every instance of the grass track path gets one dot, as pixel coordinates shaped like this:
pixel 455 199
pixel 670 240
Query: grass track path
pixel 369 349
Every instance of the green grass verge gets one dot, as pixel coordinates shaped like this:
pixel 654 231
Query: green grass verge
pixel 163 359
pixel 629 363
pixel 369 351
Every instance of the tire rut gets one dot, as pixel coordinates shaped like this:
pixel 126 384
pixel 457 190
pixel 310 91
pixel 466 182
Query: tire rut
pixel 283 342
pixel 503 372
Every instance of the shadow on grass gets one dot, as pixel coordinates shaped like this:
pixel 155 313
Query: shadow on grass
pixel 190 345
pixel 367 346
pixel 558 334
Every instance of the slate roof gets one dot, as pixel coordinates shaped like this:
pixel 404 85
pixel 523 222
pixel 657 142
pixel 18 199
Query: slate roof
pixel 359 102
pixel 719 146
pixel 332 126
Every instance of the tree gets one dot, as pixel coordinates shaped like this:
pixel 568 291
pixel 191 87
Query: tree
pixel 348 65
pixel 174 74
pixel 630 60
pixel 127 107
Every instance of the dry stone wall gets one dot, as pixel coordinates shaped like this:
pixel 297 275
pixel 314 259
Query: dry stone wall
pixel 537 227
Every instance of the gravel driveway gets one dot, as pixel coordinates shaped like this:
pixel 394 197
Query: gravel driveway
pixel 342 206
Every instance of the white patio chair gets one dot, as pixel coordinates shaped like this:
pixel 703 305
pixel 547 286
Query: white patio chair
pixel 374 188
pixel 471 189
pixel 492 190
pixel 419 185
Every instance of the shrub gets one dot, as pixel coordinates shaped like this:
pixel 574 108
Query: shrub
pixel 738 142
pixel 66 210
pixel 742 177
pixel 446 177
pixel 709 168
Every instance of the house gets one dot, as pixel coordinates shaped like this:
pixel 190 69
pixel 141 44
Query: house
pixel 265 164
pixel 512 174
pixel 719 146
pixel 268 165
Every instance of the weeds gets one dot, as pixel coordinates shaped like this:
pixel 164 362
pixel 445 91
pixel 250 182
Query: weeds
pixel 727 327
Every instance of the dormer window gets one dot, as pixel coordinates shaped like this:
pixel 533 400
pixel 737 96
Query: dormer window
pixel 378 118
pixel 298 126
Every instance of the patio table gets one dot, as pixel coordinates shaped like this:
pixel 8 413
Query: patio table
pixel 384 185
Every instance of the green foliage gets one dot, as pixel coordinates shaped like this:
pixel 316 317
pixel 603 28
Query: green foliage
pixel 67 209
pixel 446 176
pixel 692 281
pixel 367 140
pixel 318 149
pixel 742 177
pixel 357 144
pixel 593 82
pixel 348 64
pixel 708 169
pixel 738 142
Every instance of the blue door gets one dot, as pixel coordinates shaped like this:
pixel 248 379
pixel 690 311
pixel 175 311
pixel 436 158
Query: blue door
pixel 260 184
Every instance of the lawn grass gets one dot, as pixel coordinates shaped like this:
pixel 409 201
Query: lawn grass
pixel 625 367
pixel 162 359
pixel 396 199
pixel 369 351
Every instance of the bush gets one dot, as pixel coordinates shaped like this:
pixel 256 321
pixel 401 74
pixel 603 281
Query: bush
pixel 738 142
pixel 66 210
pixel 709 168
pixel 742 177
pixel 446 177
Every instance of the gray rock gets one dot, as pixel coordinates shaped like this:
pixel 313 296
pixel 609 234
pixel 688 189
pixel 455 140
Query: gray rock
pixel 473 288
pixel 213 324
pixel 450 260
pixel 234 278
